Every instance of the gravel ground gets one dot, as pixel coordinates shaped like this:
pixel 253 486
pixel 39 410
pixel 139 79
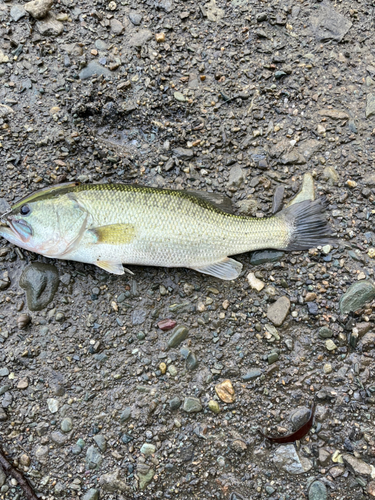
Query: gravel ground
pixel 99 399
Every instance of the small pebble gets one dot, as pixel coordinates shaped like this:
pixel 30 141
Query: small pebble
pixel 330 345
pixel 225 391
pixel 160 37
pixel 214 406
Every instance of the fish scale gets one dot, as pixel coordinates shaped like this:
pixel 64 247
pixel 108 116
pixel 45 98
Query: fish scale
pixel 111 224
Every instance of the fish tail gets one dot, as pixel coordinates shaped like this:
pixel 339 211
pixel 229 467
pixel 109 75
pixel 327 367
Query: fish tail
pixel 307 225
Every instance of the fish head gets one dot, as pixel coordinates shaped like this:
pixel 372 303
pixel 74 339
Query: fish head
pixel 45 223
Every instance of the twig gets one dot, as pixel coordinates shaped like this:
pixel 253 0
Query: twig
pixel 20 478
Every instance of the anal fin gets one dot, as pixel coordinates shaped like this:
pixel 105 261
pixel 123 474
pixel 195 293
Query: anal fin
pixel 113 267
pixel 226 269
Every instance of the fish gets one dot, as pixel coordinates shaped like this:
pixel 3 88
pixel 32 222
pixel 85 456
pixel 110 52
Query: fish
pixel 109 225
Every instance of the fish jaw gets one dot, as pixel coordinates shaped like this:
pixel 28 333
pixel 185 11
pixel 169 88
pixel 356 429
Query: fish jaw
pixel 7 233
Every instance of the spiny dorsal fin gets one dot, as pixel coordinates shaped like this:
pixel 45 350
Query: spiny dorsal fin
pixel 217 199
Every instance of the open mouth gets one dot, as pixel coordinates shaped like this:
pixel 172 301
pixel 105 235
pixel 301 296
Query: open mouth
pixel 21 228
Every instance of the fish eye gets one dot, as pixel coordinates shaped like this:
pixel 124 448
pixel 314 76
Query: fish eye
pixel 25 210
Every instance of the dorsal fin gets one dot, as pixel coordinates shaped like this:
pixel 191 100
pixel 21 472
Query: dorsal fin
pixel 217 199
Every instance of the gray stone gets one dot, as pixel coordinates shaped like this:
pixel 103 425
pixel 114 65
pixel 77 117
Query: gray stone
pixel 135 18
pixel 94 68
pixel 262 256
pixel 309 147
pixel 113 482
pixel 38 9
pixel 278 311
pixel 145 479
pixel 41 453
pixel 178 336
pixel 2 476
pixel 325 333
pixel 17 12
pixel 356 296
pixel 59 438
pixel 318 491
pixel 91 494
pixel 40 282
pixel 116 27
pixel 192 405
pixel 138 316
pixel 299 417
pixel 293 158
pixel 328 24
pixel 183 153
pixel 148 449
pixel 93 458
pixel 252 374
pixel 49 26
pixel 101 442
pixel 4 372
pixel 191 361
pixel 247 207
pixel 286 458
pixel 236 176
pixel 140 38
pixel 330 175
pixel 370 105
pixel 53 405
pixel 357 465
pixel 126 414
pixel 175 403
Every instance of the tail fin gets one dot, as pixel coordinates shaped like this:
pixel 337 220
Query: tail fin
pixel 307 224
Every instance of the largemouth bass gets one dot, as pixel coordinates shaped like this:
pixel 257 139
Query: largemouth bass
pixel 113 224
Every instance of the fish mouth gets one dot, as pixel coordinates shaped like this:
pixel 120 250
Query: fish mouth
pixel 20 228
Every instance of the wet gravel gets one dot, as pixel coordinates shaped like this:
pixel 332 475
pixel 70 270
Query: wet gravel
pixel 155 385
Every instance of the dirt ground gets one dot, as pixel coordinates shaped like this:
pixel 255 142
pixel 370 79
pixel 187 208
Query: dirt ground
pixel 238 97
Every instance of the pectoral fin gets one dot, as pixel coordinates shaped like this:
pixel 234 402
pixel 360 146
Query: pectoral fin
pixel 113 267
pixel 227 269
pixel 114 234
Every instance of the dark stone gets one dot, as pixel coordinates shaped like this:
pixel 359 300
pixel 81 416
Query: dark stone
pixel 40 282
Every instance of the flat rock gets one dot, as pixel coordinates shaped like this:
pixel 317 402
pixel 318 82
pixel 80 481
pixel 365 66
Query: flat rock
pixel 262 256
pixel 17 12
pixel 93 458
pixel 318 491
pixel 328 24
pixel 278 311
pixel 49 26
pixel 38 9
pixel 178 336
pixel 140 38
pixel 309 147
pixel 145 479
pixel 40 282
pixel 358 466
pixel 213 12
pixel 356 296
pixel 94 68
pixel 113 482
pixel 116 27
pixel 335 114
pixel 59 438
pixel 192 405
pixel 286 458
pixel 370 105
pixel 236 176
pixel 183 153
pixel 91 494
pixel 135 18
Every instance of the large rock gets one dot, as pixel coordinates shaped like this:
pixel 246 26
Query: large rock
pixel 356 296
pixel 38 9
pixel 328 24
pixel 370 106
pixel 50 26
pixel 40 282
pixel 358 466
pixel 287 459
